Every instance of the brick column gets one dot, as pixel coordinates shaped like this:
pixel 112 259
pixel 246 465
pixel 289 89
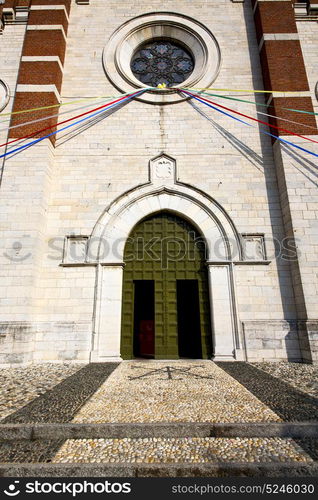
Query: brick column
pixel 282 63
pixel 312 5
pixel 41 68
pixel 27 178
pixel 284 71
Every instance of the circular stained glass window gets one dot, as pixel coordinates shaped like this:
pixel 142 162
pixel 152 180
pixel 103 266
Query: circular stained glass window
pixel 162 62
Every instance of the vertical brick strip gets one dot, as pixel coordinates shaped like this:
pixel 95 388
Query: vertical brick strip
pixel 10 4
pixel 284 70
pixel 41 67
pixel 313 4
pixel 282 62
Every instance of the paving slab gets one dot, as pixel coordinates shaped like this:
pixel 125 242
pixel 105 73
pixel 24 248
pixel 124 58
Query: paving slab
pixel 165 412
pixel 21 385
pixel 302 376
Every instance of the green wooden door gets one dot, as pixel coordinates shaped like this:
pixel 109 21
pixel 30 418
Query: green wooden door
pixel 165 248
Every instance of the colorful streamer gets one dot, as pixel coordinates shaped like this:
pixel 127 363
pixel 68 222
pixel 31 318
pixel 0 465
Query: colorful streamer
pixel 65 121
pixel 260 104
pixel 251 118
pixel 55 105
pixel 198 98
pixel 31 122
pixel 23 124
pixel 156 88
pixel 96 111
pixel 108 106
pixel 249 90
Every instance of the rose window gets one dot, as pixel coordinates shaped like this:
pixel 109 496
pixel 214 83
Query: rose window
pixel 162 62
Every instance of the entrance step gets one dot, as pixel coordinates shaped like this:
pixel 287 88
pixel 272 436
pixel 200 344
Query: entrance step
pixel 157 457
pixel 134 447
pixel 268 470
pixel 181 450
pixel 299 430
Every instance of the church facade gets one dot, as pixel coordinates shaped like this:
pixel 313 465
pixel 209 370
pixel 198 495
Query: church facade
pixel 160 223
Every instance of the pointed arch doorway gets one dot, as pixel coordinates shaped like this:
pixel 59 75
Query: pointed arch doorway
pixel 166 306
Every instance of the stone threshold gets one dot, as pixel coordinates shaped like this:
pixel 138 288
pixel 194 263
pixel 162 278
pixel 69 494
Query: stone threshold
pixel 295 430
pixel 290 469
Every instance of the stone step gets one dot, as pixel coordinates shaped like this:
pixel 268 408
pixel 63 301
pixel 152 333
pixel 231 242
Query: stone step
pixel 299 430
pixel 184 450
pixel 160 457
pixel 277 470
pixel 159 450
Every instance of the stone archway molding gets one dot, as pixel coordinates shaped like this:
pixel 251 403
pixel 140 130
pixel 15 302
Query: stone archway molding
pixel 164 193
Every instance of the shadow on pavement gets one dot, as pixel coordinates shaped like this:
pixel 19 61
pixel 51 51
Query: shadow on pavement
pixel 58 405
pixel 290 404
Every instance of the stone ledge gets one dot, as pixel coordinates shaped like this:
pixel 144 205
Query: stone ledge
pixel 160 470
pixel 297 430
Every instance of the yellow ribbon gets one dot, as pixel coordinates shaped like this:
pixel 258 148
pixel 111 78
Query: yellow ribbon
pixel 61 104
pixel 245 90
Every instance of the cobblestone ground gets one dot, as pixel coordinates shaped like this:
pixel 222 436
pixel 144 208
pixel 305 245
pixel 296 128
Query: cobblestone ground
pixel 192 450
pixel 21 385
pixel 300 375
pixel 176 392
pixel 286 400
pixel 66 394
pixel 159 391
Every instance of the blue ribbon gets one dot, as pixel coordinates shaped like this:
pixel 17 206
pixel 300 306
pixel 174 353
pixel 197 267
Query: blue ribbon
pixel 249 125
pixel 20 148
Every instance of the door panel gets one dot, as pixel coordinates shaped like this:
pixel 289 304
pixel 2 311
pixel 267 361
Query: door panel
pixel 144 319
pixel 189 321
pixel 163 264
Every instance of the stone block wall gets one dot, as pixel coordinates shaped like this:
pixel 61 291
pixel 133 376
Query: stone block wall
pixel 272 341
pixel 50 191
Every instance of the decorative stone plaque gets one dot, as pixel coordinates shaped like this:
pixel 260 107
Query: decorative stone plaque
pixel 254 247
pixel 75 249
pixel 162 169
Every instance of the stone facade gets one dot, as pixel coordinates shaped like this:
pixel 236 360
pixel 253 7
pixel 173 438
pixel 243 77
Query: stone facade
pixel 242 189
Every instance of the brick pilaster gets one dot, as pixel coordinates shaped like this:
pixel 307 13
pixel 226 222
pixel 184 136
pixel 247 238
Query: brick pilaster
pixel 41 68
pixel 312 5
pixel 284 71
pixel 282 63
pixel 28 178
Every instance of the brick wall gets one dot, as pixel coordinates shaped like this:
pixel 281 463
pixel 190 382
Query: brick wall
pixel 41 69
pixel 284 69
pixel 282 62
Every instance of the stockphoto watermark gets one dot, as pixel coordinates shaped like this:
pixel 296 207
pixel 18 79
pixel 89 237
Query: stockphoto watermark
pixel 67 488
pixel 166 251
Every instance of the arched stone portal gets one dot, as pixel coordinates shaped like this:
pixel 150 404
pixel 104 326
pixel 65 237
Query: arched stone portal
pixel 108 240
pixel 166 305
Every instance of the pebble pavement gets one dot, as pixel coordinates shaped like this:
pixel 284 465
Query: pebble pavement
pixel 174 391
pixel 289 402
pixel 21 385
pixel 300 375
pixel 191 450
pixel 159 391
